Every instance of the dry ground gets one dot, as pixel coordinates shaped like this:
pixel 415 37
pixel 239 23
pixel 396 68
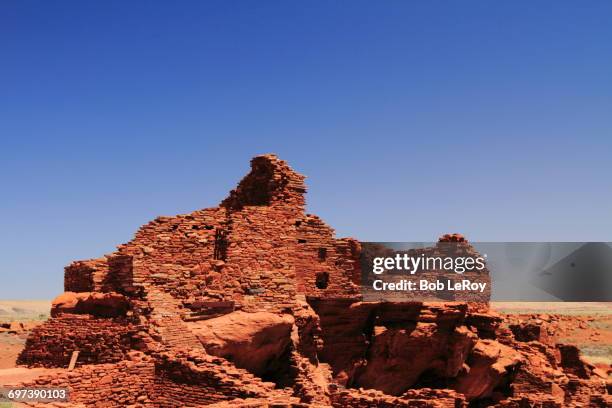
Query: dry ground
pixel 587 325
pixel 19 311
pixel 24 310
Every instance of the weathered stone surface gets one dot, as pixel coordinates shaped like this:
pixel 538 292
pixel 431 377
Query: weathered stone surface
pixel 253 341
pixel 399 356
pixel 530 330
pixel 99 340
pixel 572 363
pixel 488 365
pixel 93 303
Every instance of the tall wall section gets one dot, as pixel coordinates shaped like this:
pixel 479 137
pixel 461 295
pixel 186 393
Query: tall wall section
pixel 250 251
pixel 255 252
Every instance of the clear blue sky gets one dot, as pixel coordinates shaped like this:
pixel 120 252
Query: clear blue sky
pixel 411 119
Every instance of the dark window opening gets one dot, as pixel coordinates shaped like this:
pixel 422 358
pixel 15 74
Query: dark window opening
pixel 322 280
pixel 301 241
pixel 298 223
pixel 322 254
pixel 221 244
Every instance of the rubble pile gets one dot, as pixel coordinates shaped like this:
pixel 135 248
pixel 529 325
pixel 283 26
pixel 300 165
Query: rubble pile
pixel 256 304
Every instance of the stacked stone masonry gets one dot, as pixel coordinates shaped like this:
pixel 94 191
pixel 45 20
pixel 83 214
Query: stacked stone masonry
pixel 256 303
pixel 98 340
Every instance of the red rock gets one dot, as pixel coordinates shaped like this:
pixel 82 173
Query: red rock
pixel 452 238
pixel 412 351
pixel 96 304
pixel 531 330
pixel 253 341
pixel 573 363
pixel 490 363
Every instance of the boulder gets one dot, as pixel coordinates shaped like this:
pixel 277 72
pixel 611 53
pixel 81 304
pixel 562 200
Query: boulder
pixel 531 330
pixel 485 322
pixel 489 364
pixel 399 356
pixel 253 341
pixel 97 304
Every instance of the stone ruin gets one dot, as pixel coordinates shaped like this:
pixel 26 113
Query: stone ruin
pixel 255 303
pixel 448 246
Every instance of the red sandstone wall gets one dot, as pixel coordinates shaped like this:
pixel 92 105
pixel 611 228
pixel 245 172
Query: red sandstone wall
pixel 160 381
pixel 424 398
pixel 98 340
pixel 325 265
pixel 249 251
pixel 175 254
pixel 86 276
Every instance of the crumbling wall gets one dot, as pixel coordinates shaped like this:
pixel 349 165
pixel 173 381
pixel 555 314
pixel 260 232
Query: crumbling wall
pixel 271 181
pixel 161 380
pixel 325 266
pixel 98 340
pixel 255 251
pixel 86 276
pixel 113 273
pixel 107 385
pixel 423 398
pixel 184 379
pixel 175 255
pixel 262 247
pixel 240 252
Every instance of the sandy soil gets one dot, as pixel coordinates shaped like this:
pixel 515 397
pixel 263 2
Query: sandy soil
pixel 18 311
pixel 12 376
pixel 10 346
pixel 21 310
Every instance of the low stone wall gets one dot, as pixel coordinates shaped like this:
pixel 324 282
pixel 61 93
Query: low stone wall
pixel 98 341
pixel 422 398
pixel 196 378
pixel 165 380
